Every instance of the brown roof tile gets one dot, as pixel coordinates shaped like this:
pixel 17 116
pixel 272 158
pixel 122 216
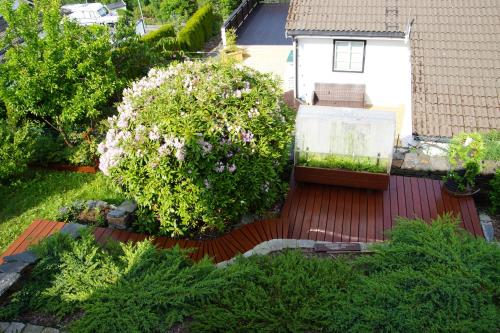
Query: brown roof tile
pixel 455 53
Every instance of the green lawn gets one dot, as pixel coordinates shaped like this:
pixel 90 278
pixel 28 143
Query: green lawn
pixel 40 195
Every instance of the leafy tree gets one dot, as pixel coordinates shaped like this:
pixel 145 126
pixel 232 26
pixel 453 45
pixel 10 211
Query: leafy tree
pixel 55 71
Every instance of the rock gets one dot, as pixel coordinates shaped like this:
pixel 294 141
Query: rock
pixel 13 267
pixel 50 330
pixel 99 204
pixel 488 230
pixel 3 326
pixel 118 219
pixel 7 280
pixel 26 256
pixel 72 229
pixel 33 329
pixel 410 161
pixel 15 328
pixel 247 219
pixel 128 206
pixel 439 163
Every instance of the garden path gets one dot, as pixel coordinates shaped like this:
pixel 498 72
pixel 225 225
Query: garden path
pixel 311 212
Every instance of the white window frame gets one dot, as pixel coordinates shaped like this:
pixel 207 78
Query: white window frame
pixel 349 70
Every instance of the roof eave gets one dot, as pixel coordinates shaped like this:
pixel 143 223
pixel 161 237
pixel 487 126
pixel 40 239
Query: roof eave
pixel 384 34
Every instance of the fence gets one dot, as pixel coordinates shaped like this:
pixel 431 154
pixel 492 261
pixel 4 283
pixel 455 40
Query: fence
pixel 238 16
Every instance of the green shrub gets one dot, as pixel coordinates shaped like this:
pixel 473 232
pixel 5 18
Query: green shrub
pixel 495 193
pixel 466 151
pixel 16 148
pixel 492 144
pixel 428 278
pixel 200 144
pixel 153 37
pixel 199 28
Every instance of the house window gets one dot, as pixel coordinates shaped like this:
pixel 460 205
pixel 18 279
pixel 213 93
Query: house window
pixel 348 55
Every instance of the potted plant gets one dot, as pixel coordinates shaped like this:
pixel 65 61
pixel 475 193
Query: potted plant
pixel 232 51
pixel 465 154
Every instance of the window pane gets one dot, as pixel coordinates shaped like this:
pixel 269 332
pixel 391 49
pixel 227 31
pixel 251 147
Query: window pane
pixel 349 56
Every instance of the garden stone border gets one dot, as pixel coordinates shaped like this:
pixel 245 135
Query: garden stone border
pixel 15 265
pixel 487 226
pixel 17 327
pixel 275 245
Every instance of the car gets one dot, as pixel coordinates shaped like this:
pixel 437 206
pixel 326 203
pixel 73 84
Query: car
pixel 90 13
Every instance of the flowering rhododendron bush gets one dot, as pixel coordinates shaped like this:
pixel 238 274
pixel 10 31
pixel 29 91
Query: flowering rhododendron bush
pixel 200 144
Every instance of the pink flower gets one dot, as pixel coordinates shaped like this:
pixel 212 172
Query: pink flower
pixel 232 168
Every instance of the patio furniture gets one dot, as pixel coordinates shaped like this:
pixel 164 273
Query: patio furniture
pixel 335 94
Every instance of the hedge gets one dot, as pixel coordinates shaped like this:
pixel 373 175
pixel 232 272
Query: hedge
pixel 154 37
pixel 199 28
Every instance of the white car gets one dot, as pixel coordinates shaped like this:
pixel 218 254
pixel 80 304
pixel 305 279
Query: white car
pixel 90 13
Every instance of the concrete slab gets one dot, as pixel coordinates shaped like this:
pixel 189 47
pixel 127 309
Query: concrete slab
pixel 265 26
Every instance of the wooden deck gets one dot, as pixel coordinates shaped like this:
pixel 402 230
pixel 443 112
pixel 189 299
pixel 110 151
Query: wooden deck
pixel 315 212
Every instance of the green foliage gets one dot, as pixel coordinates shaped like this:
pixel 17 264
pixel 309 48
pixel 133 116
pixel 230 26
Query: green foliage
pixel 200 144
pixel 492 145
pixel 427 278
pixel 466 151
pixel 358 163
pixel 177 11
pixel 153 37
pixel 39 195
pixel 62 76
pixel 16 148
pixel 495 193
pixel 199 28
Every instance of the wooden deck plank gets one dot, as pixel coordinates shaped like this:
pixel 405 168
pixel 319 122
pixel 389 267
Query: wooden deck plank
pixel 299 217
pixel 346 221
pixel 11 249
pixel 476 223
pixel 363 216
pixel 316 212
pixel 386 198
pixel 339 216
pixel 309 215
pixel 289 221
pixel 370 222
pixel 410 210
pixel 306 221
pixel 426 214
pixel 379 217
pixel 417 205
pixel 429 186
pixel 355 217
pixel 394 199
pixel 332 208
pixel 401 196
pixel 243 239
pixel 438 197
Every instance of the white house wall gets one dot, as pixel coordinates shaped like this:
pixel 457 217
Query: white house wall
pixel 387 73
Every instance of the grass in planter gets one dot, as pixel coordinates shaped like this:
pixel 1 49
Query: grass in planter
pixel 431 276
pixel 492 145
pixel 360 163
pixel 39 195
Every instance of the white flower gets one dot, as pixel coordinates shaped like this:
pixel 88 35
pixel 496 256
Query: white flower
pixel 468 141
pixel 219 167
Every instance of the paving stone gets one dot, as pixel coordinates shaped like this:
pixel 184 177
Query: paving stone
pixel 484 217
pixel 306 243
pixel 410 161
pixel 439 163
pixel 248 253
pixel 128 206
pixel 72 229
pixel 289 243
pixel 488 231
pixel 50 330
pixel 15 328
pixel 3 326
pixel 26 256
pixel 33 329
pixel 13 267
pixel 337 247
pixel 7 280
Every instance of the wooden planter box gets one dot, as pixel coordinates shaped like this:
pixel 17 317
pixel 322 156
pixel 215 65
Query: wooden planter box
pixel 339 177
pixel 67 167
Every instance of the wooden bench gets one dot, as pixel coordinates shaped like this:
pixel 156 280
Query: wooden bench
pixel 334 94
